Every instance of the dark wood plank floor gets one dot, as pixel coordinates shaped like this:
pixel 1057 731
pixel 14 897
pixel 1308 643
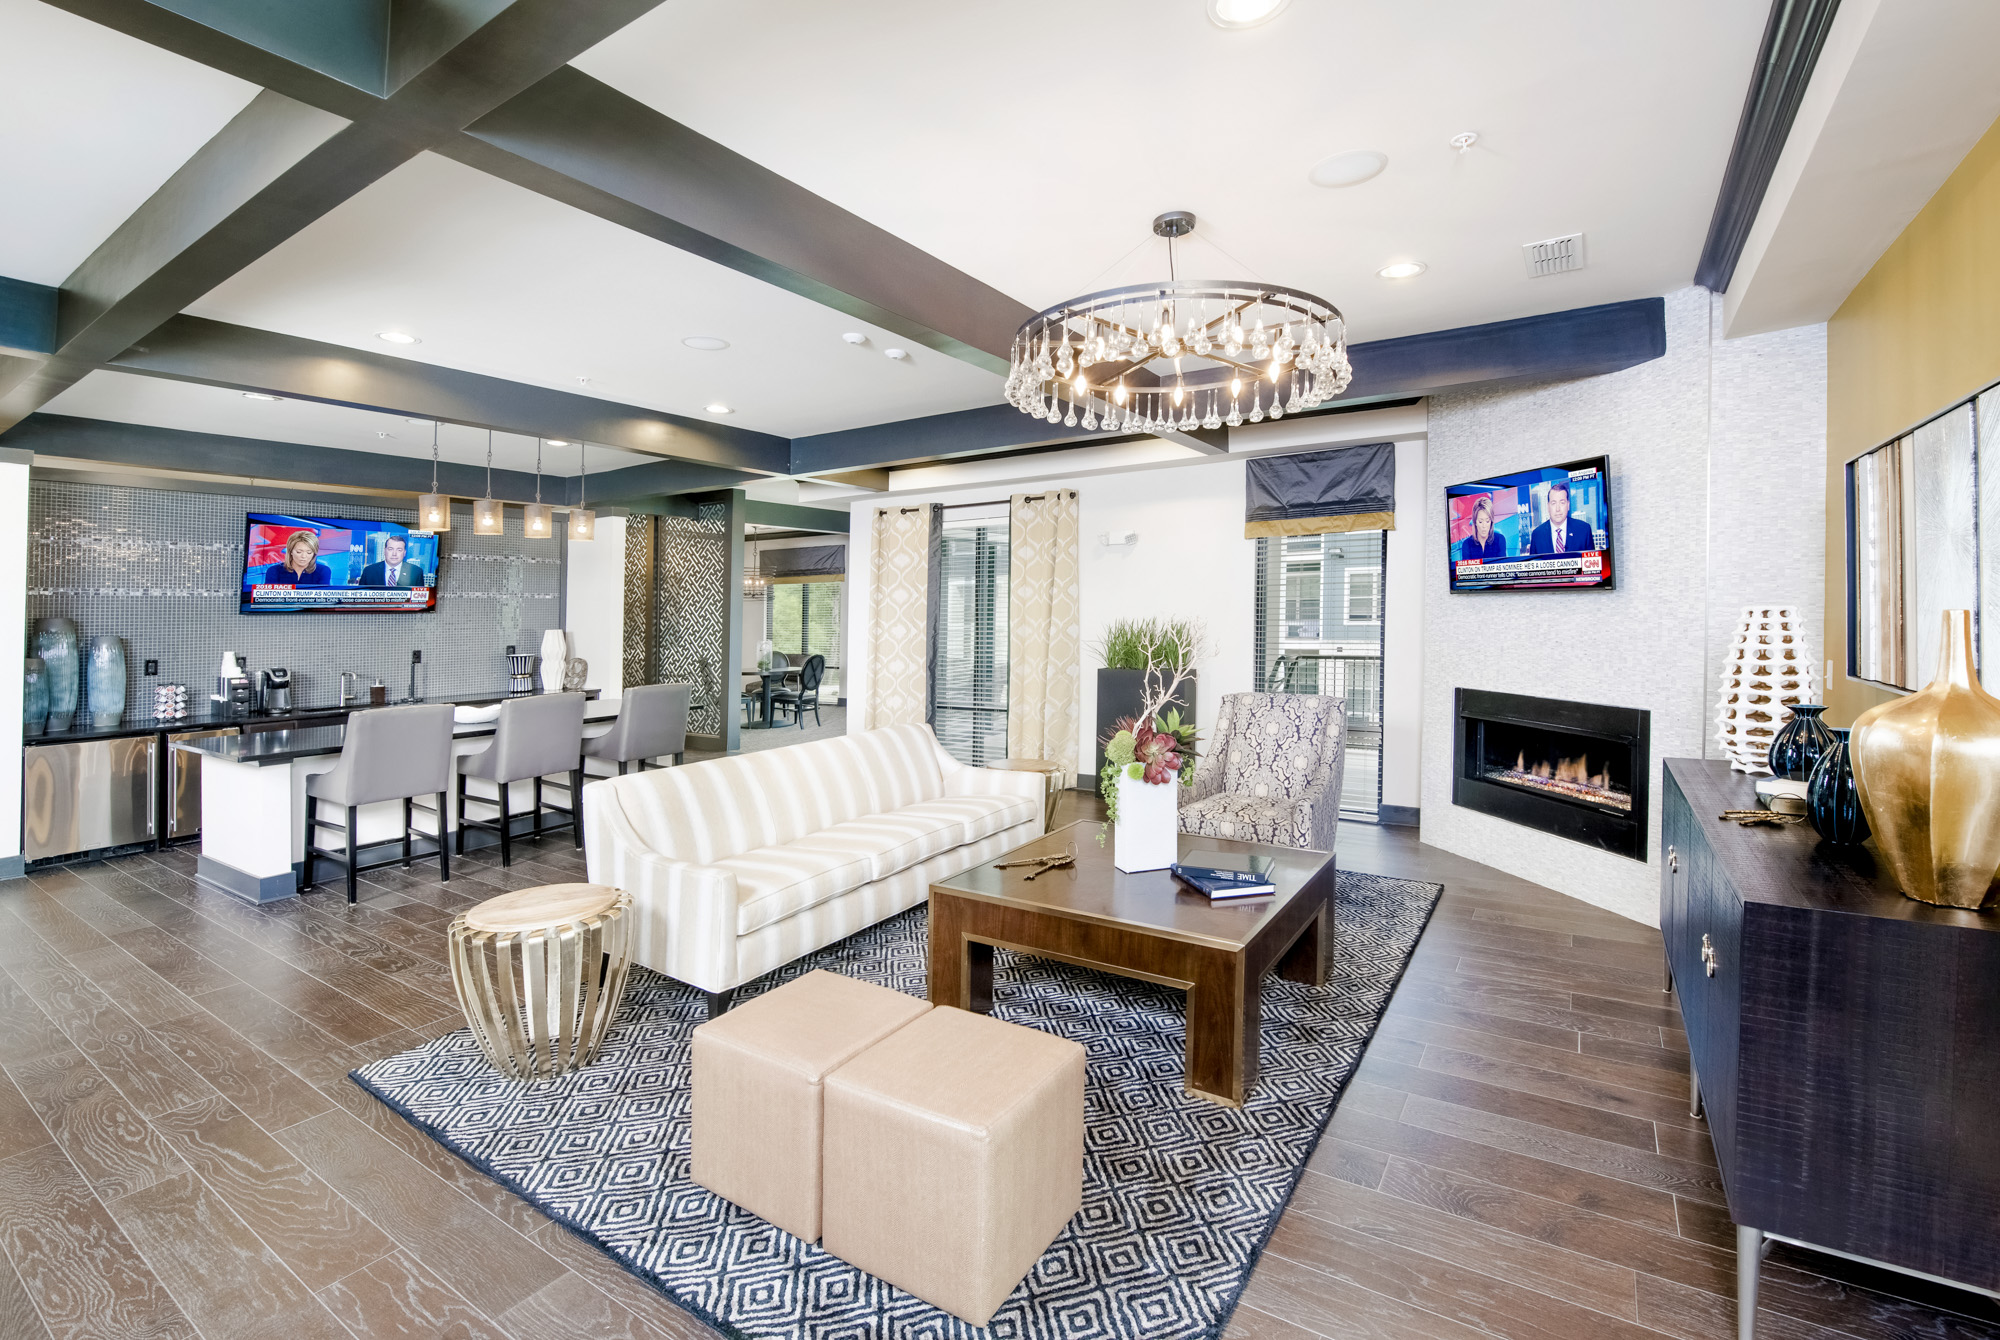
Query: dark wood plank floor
pixel 181 1154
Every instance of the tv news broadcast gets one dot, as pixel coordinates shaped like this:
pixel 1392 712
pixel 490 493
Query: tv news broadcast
pixel 1535 530
pixel 299 564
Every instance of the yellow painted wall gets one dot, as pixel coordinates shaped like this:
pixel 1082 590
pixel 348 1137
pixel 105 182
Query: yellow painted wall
pixel 1921 331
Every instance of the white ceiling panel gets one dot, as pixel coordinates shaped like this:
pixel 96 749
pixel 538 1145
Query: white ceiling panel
pixel 1031 145
pixel 91 123
pixel 498 280
pixel 122 397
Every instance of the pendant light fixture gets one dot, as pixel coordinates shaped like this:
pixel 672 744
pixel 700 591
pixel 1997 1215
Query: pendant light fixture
pixel 538 519
pixel 433 508
pixel 488 518
pixel 582 521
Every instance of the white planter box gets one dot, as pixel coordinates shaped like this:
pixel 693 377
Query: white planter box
pixel 1147 834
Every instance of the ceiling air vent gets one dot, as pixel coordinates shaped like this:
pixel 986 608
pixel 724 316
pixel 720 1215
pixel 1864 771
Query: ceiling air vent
pixel 1554 256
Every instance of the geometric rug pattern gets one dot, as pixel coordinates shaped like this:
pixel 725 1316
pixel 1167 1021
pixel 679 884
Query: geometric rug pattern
pixel 1179 1195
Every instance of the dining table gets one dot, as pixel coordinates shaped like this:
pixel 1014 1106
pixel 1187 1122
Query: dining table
pixel 771 679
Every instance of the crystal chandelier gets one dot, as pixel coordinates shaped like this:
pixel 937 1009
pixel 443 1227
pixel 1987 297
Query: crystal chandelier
pixel 1184 354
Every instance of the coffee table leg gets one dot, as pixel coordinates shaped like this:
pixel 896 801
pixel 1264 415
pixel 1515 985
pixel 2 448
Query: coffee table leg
pixel 1224 1009
pixel 961 970
pixel 1306 960
pixel 979 977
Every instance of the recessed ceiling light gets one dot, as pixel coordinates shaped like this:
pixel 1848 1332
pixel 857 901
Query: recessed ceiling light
pixel 558 441
pixel 397 337
pixel 258 395
pixel 706 343
pixel 900 355
pixel 1348 169
pixel 719 408
pixel 416 421
pixel 1243 13
pixel 1402 270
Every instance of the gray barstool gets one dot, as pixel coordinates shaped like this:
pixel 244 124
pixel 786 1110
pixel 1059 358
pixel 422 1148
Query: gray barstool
pixel 534 737
pixel 652 723
pixel 387 753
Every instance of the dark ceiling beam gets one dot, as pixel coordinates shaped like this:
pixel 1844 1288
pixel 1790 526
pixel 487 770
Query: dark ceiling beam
pixel 794 516
pixel 580 141
pixel 282 163
pixel 637 482
pixel 215 353
pixel 27 318
pixel 1793 38
pixel 965 432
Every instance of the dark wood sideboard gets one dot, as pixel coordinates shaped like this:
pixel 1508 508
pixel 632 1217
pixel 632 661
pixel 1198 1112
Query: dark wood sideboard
pixel 1845 1040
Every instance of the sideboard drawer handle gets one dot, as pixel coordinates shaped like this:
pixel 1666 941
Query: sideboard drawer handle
pixel 1708 954
pixel 1673 861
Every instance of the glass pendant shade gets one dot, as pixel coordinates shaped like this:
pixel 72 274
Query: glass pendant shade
pixel 488 517
pixel 582 524
pixel 433 512
pixel 538 521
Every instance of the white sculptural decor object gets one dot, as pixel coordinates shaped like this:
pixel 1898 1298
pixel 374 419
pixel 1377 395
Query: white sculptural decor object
pixel 555 659
pixel 1768 671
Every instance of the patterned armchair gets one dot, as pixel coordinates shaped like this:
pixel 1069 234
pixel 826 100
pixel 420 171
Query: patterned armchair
pixel 1270 771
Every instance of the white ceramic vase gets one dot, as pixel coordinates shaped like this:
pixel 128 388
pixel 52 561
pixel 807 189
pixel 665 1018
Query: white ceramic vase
pixel 1147 834
pixel 555 659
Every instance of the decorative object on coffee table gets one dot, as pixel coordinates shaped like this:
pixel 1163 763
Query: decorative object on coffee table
pixel 107 681
pixel 55 643
pixel 1150 756
pixel 1833 802
pixel 1928 769
pixel 1052 773
pixel 34 695
pixel 1768 671
pixel 1799 744
pixel 1121 682
pixel 1147 926
pixel 539 974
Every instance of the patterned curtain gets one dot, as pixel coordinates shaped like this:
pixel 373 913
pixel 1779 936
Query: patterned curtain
pixel 898 680
pixel 1043 627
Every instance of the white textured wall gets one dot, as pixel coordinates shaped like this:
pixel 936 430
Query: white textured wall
pixel 594 604
pixel 13 614
pixel 1744 416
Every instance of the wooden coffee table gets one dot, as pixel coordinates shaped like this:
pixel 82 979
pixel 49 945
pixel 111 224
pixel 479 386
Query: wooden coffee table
pixel 1148 926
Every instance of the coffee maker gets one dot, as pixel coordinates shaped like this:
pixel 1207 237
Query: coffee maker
pixel 274 691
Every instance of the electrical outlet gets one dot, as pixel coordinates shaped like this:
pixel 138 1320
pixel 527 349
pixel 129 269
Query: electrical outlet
pixel 152 667
pixel 416 658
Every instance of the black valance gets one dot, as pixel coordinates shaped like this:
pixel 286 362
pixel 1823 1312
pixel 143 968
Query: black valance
pixel 1321 492
pixel 805 563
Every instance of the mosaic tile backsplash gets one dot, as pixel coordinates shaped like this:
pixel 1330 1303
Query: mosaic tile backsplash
pixel 161 570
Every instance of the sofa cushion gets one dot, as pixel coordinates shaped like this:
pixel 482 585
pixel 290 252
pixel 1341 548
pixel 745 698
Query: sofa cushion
pixel 773 883
pixel 896 841
pixel 1245 819
pixel 976 816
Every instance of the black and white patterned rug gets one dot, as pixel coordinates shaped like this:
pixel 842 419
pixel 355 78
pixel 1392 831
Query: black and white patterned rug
pixel 1179 1193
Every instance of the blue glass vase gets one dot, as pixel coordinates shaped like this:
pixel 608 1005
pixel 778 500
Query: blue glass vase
pixel 1800 743
pixel 1833 801
pixel 55 643
pixel 107 681
pixel 34 695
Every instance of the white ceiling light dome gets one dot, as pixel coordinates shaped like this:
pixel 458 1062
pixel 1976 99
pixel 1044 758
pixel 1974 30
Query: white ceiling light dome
pixel 397 337
pixel 1243 13
pixel 719 408
pixel 1348 169
pixel 708 344
pixel 1402 270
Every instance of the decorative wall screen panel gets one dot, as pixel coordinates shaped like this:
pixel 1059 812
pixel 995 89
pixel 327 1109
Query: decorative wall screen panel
pixel 677 608
pixel 161 569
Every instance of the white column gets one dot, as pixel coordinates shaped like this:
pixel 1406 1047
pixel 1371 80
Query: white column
pixel 13 614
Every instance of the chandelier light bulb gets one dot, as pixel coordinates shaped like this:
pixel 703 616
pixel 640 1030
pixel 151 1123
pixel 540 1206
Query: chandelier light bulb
pixel 1179 391
pixel 1119 394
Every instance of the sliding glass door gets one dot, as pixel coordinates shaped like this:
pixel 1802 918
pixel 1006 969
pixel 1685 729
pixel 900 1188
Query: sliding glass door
pixel 969 637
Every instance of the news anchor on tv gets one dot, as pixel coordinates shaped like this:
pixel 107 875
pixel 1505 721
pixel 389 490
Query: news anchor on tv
pixel 1561 533
pixel 301 566
pixel 393 570
pixel 1484 543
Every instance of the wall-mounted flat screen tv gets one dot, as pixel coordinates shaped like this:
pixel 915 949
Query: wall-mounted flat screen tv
pixel 1536 530
pixel 299 564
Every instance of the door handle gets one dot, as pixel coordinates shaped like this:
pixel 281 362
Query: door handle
pixel 1673 861
pixel 1708 954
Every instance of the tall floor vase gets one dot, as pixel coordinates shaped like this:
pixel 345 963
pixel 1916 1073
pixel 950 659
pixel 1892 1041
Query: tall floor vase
pixel 55 643
pixel 107 681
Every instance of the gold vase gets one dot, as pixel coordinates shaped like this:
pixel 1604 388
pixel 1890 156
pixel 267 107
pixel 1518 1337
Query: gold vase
pixel 1928 768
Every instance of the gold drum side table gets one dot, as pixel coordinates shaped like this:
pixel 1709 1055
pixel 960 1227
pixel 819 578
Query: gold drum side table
pixel 1052 774
pixel 539 974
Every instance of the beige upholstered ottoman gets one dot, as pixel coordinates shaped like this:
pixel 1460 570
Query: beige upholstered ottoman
pixel 954 1156
pixel 757 1076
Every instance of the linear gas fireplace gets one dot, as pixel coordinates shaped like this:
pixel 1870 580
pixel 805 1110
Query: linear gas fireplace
pixel 1578 770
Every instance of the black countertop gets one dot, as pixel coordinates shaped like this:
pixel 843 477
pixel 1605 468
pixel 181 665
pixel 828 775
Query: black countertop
pixel 267 747
pixel 211 716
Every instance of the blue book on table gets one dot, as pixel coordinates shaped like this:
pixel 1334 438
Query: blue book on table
pixel 1219 883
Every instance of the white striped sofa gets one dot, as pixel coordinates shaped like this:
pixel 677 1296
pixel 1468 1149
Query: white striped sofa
pixel 739 865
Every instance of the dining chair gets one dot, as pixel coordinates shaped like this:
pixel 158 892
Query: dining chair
pixel 806 696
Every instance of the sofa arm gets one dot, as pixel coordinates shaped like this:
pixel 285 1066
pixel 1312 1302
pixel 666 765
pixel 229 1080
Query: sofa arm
pixel 683 914
pixel 1319 809
pixel 962 780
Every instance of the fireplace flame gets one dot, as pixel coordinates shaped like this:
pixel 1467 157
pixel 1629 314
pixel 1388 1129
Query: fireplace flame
pixel 1571 776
